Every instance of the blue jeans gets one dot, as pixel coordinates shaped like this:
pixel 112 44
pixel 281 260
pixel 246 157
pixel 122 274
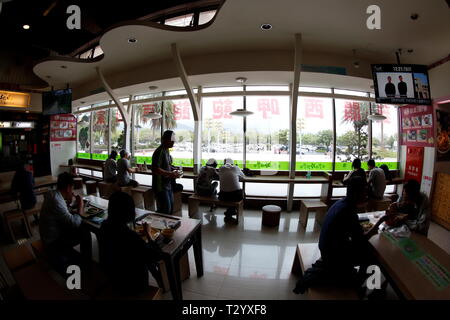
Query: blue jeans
pixel 164 201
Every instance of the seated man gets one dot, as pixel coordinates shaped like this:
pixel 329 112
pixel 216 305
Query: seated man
pixel 124 170
pixel 23 185
pixel 110 168
pixel 230 189
pixel 356 172
pixel 416 205
pixel 205 185
pixel 60 229
pixel 124 255
pixel 376 181
pixel 343 243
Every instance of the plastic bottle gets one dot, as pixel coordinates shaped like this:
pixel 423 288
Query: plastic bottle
pixel 308 175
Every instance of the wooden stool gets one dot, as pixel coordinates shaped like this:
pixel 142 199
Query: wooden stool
pixel 271 215
pixel 127 190
pixel 143 198
pixel 91 187
pixel 177 204
pixel 77 183
pixel 16 215
pixel 318 206
pixel 105 189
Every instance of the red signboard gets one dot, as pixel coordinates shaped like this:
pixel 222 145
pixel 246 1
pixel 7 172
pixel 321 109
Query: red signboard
pixel 63 127
pixel 414 164
pixel 417 126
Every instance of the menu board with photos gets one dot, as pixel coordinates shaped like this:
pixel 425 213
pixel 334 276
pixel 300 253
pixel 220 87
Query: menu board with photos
pixel 63 127
pixel 441 200
pixel 417 126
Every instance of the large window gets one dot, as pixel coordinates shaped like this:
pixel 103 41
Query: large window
pixel 117 130
pixel 100 134
pixel 352 133
pixel 222 133
pixel 314 134
pixel 385 136
pixel 147 131
pixel 268 133
pixel 83 135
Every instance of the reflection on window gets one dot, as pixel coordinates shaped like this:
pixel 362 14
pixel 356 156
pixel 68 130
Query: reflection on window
pixel 222 89
pixel 222 133
pixel 313 89
pixel 385 136
pixel 181 21
pixel 147 132
pixel 314 134
pixel 206 16
pixel 267 88
pixel 117 130
pixel 352 132
pixel 268 133
pixel 100 135
pixel 83 144
pixel 350 92
pixel 179 118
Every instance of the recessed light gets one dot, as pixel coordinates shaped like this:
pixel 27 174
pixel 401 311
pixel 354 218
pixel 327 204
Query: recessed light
pixel 26 26
pixel 410 50
pixel 27 111
pixel 266 26
pixel 63 67
pixel 48 77
pixel 241 79
pixel 414 16
pixel 153 87
pixel 132 40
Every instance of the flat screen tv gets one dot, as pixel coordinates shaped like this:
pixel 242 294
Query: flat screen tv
pixel 401 84
pixel 57 102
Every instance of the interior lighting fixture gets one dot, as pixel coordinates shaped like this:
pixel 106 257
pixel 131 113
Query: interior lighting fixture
pixel 266 26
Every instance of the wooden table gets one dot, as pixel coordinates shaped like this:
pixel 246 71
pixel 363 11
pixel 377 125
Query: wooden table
pixel 187 235
pixel 403 272
pixel 39 182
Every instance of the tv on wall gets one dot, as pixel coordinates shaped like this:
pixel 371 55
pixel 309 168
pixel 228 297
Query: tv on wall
pixel 401 84
pixel 57 102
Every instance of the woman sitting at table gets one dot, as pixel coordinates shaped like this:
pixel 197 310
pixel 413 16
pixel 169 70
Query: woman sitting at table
pixel 124 255
pixel 356 172
pixel 415 205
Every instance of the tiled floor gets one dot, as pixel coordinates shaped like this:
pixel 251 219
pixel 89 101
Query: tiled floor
pixel 253 262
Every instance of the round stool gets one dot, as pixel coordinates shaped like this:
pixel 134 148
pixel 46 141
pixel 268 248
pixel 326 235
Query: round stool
pixel 271 215
pixel 77 183
pixel 91 187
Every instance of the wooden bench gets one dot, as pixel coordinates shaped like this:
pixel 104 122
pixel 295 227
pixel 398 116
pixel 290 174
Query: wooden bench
pixel 306 206
pixel 143 197
pixel 195 200
pixel 305 256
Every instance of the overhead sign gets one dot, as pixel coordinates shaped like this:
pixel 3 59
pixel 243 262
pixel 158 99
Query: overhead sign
pixel 14 99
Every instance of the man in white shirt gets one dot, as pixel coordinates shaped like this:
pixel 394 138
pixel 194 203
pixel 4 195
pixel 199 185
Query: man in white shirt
pixel 124 170
pixel 230 188
pixel 376 181
pixel 58 227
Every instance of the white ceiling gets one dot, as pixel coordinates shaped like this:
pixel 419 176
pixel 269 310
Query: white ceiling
pixel 330 26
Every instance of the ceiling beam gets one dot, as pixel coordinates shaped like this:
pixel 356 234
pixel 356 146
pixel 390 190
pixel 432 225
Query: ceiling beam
pixel 184 78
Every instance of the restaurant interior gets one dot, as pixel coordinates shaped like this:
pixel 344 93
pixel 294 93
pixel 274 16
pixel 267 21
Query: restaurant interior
pixel 292 91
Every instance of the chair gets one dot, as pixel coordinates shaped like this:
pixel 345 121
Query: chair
pixel 91 187
pixel 16 215
pixel 271 216
pixel 78 183
pixel 143 198
pixel 306 206
pixel 35 212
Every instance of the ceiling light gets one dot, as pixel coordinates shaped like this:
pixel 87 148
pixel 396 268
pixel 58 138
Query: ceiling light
pixel 132 40
pixel 241 79
pixel 376 117
pixel 26 26
pixel 266 26
pixel 48 77
pixel 152 88
pixel 241 113
pixel 356 64
pixel 63 67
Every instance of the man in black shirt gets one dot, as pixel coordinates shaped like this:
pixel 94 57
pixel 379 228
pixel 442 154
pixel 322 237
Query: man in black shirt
pixel 402 87
pixel 389 89
pixel 162 173
pixel 22 185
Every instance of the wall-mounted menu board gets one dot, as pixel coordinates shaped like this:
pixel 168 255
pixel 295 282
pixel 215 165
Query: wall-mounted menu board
pixel 441 200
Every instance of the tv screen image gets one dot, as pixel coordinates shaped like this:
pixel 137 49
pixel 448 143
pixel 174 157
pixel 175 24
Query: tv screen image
pixel 57 102
pixel 401 84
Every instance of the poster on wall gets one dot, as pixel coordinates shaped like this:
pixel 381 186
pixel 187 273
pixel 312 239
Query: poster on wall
pixel 414 163
pixel 417 126
pixel 443 135
pixel 63 127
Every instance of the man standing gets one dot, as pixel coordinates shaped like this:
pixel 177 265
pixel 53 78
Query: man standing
pixel 376 181
pixel 402 87
pixel 162 173
pixel 60 229
pixel 389 89
pixel 124 170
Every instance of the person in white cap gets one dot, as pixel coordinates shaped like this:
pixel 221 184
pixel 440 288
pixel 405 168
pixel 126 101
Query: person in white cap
pixel 205 185
pixel 230 188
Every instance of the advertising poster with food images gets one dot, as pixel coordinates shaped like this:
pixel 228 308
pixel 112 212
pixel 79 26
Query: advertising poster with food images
pixel 443 135
pixel 417 126
pixel 414 164
pixel 63 127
